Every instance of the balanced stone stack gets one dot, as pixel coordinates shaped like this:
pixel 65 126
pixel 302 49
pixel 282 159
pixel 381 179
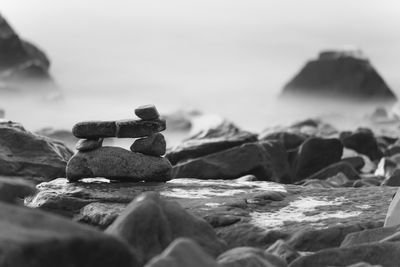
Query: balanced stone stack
pixel 143 163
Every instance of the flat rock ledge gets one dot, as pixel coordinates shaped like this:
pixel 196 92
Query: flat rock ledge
pixel 241 211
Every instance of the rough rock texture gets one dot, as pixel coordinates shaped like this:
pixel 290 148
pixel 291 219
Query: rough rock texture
pixel 316 154
pixel 282 249
pixel 14 190
pixel 386 254
pixel 362 141
pixel 139 128
pixel 224 136
pixel 154 145
pixel 342 74
pixel 147 112
pixel 183 252
pixel 249 257
pixel 369 236
pixel 149 224
pixel 288 139
pixel 118 163
pixel 95 129
pixel 334 169
pixel 34 238
pixel 23 153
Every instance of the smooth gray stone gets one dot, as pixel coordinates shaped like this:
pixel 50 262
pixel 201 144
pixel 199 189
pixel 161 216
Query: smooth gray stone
pixel 139 128
pixel 89 144
pixel 153 145
pixel 118 164
pixel 147 112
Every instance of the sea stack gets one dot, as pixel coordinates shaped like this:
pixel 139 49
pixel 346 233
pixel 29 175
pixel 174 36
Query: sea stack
pixel 143 163
pixel 339 73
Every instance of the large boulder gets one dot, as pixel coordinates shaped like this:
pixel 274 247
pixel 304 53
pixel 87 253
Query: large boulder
pixel 21 60
pixel 339 74
pixel 221 137
pixel 266 160
pixel 363 141
pixel 149 224
pixel 23 153
pixel 117 163
pixel 34 238
pixel 249 257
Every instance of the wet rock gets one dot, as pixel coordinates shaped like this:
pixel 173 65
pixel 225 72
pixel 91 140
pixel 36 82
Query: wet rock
pixel 319 239
pixel 23 153
pixel 392 150
pixel 118 164
pixel 183 252
pixel 249 257
pixel 224 136
pixel 89 144
pixel 139 128
pixel 363 141
pixel 369 180
pixel 99 214
pixel 221 220
pixel 224 164
pixel 281 249
pixel 363 264
pixel 147 112
pixel 356 162
pixel 154 145
pixel 95 129
pixel 369 236
pixel 316 154
pixel 13 189
pixel 149 224
pixel 34 238
pixel 334 169
pixel 339 74
pixel 288 139
pixel 385 254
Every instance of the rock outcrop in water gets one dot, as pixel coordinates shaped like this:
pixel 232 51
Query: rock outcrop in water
pixel 339 74
pixel 143 162
pixel 22 64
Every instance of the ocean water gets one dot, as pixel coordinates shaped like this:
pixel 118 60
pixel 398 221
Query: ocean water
pixel 225 57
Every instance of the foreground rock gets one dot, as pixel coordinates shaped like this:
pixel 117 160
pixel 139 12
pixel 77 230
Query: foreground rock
pixel 36 239
pixel 23 153
pixel 118 163
pixel 149 224
pixel 249 257
pixel 340 74
pixel 14 190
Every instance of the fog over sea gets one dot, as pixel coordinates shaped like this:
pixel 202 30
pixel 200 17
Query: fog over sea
pixel 228 57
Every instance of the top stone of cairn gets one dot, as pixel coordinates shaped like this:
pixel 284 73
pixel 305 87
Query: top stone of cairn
pixel 147 112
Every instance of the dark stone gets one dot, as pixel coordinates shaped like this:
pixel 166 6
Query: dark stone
pixel 89 144
pixel 393 179
pixel 221 220
pixel 139 128
pixel 266 161
pixel 369 236
pixel 386 254
pixel 29 237
pixel 392 150
pixel 224 136
pixel 118 164
pixel 154 145
pixel 183 252
pixel 339 74
pixel 23 153
pixel 288 139
pixel 150 223
pixel 316 154
pixel 334 169
pixel 363 141
pixel 147 112
pixel 357 162
pixel 281 249
pixel 319 239
pixel 95 129
pixel 14 190
pixel 249 257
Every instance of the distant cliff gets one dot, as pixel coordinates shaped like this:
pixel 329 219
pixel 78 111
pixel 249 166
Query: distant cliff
pixel 345 73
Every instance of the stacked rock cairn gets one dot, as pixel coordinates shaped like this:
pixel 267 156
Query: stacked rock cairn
pixel 143 163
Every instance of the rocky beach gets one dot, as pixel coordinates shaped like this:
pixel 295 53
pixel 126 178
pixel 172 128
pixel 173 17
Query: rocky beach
pixel 155 188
